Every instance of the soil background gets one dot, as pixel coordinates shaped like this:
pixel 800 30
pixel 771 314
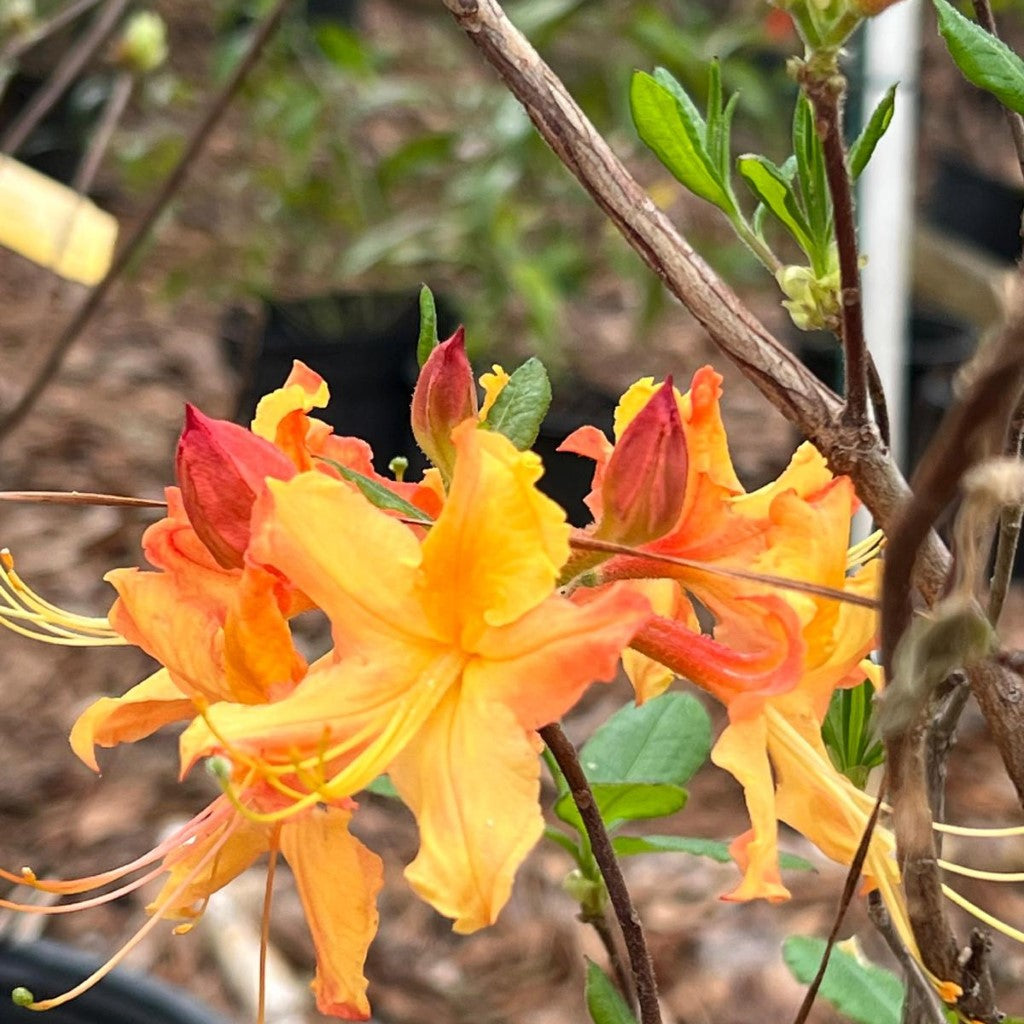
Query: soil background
pixel 109 423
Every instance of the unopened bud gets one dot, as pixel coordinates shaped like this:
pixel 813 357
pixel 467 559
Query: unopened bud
pixel 222 468
pixel 645 480
pixel 143 46
pixel 813 302
pixel 445 396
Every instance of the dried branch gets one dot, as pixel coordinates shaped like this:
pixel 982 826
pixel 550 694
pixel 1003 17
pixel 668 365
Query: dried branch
pixel 785 382
pixel 564 754
pixel 133 244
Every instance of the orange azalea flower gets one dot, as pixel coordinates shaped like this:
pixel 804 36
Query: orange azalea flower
pixel 215 847
pixel 450 653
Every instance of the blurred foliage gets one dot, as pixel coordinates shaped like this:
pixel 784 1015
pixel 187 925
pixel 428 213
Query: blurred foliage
pixel 378 152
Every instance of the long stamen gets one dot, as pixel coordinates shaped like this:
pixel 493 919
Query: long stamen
pixel 268 893
pixel 95 901
pixel 967 832
pixel 24 612
pixel 985 876
pixel 866 550
pixel 102 972
pixel 982 915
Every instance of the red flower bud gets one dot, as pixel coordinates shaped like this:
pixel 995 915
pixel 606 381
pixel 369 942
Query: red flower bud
pixel 645 479
pixel 221 469
pixel 445 395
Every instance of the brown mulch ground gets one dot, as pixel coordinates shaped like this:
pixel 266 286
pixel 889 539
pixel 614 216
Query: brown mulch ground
pixel 109 423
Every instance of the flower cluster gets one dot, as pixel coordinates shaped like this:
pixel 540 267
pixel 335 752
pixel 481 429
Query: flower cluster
pixel 466 615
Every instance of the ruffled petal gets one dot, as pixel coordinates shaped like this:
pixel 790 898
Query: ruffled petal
pixel 338 880
pixel 471 777
pixel 146 707
pixel 742 751
pixel 496 549
pixel 540 665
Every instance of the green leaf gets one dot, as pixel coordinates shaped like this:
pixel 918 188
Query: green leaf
pixel 810 174
pixel 625 801
pixel 567 843
pixel 379 495
pixel 428 326
pixel 522 405
pixel 382 786
pixel 983 60
pixel 343 48
pixel 667 122
pixel 863 992
pixel 629 846
pixel 769 185
pixel 664 740
pixel 605 1004
pixel 878 123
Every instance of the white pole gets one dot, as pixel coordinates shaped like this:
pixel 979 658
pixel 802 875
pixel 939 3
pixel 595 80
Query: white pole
pixel 886 193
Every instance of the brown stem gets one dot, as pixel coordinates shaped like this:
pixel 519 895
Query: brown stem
pixel 62 76
pixel 113 109
pixel 1009 530
pixel 780 376
pixel 26 40
pixel 646 988
pixel 826 90
pixel 611 948
pixel 140 233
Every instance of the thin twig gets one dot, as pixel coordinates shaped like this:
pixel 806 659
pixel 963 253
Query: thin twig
pixel 601 846
pixel 638 555
pixel 777 373
pixel 80 498
pixel 113 110
pixel 849 889
pixel 62 76
pixel 611 948
pixel 825 90
pixel 26 40
pixel 218 105
pixel 919 984
pixel 1009 530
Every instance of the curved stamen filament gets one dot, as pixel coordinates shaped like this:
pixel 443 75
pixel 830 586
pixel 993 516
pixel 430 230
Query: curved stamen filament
pixel 985 876
pixel 95 901
pixel 967 832
pixel 102 972
pixel 268 893
pixel 45 621
pixel 982 915
pixel 866 550
pixel 71 887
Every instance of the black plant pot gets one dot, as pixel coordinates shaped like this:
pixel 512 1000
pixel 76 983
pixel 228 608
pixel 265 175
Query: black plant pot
pixel 363 345
pixel 123 997
pixel 976 208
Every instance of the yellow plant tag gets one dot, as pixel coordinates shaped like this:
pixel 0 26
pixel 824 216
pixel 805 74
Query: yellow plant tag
pixel 50 224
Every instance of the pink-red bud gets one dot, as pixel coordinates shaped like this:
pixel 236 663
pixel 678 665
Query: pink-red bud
pixel 645 480
pixel 445 395
pixel 221 469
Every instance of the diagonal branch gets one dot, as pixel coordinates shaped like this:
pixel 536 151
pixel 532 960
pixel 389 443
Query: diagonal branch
pixel 785 382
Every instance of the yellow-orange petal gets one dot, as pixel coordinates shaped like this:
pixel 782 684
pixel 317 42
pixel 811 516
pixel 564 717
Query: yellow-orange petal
pixel 493 384
pixel 471 778
pixel 540 665
pixel 742 751
pixel 591 444
pixel 303 391
pixel 806 474
pixel 330 542
pixel 260 660
pixel 496 548
pixel 146 707
pixel 338 880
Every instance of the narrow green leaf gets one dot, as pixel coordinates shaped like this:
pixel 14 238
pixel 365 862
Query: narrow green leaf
pixel 379 495
pixel 604 1003
pixel 713 134
pixel 428 325
pixel 863 992
pixel 983 60
pixel 567 843
pixel 625 801
pixel 725 154
pixel 628 846
pixel 769 185
pixel 664 740
pixel 676 134
pixel 522 405
pixel 810 174
pixel 878 123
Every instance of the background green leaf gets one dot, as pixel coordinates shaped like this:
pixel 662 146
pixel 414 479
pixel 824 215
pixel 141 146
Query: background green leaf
pixel 983 60
pixel 864 145
pixel 625 801
pixel 664 740
pixel 863 992
pixel 604 1002
pixel 428 325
